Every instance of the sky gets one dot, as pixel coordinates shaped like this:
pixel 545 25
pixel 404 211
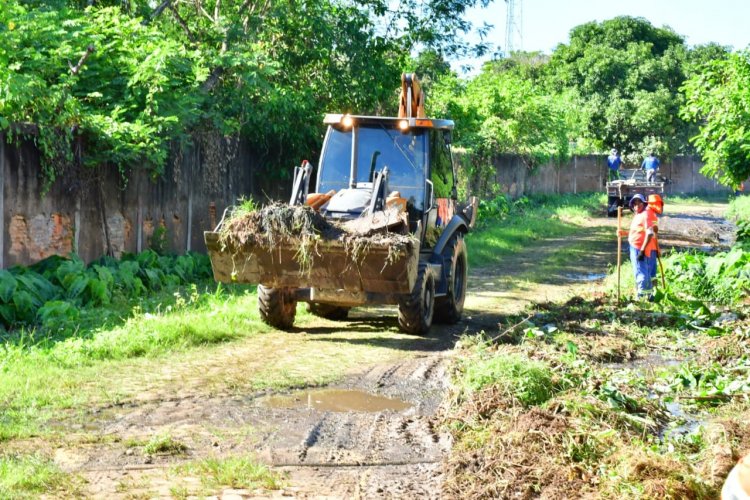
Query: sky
pixel 546 23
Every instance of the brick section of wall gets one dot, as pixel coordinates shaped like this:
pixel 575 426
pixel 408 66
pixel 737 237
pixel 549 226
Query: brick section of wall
pixel 69 216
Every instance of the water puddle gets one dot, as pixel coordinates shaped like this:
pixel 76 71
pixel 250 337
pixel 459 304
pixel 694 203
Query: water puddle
pixel 682 422
pixel 585 276
pixel 648 362
pixel 337 400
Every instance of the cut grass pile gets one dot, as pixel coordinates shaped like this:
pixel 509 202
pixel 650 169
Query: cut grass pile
pixel 612 419
pixel 303 228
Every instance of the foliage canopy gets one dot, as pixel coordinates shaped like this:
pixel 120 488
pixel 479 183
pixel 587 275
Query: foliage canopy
pixel 118 82
pixel 719 98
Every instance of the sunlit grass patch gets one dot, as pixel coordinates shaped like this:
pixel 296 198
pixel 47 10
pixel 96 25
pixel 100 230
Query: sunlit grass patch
pixel 31 476
pixel 232 472
pixel 164 444
pixel 530 382
pixel 527 221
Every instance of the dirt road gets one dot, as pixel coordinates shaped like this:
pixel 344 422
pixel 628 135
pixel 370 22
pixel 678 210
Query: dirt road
pixel 372 435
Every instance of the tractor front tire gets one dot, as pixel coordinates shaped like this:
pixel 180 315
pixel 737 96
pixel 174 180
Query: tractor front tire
pixel 327 311
pixel 277 307
pixel 416 310
pixel 450 307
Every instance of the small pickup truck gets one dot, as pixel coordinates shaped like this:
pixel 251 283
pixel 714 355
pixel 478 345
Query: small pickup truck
pixel 620 192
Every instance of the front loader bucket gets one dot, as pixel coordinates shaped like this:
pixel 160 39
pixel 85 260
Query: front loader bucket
pixel 332 267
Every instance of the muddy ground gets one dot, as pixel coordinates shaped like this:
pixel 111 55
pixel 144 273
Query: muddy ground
pixel 373 435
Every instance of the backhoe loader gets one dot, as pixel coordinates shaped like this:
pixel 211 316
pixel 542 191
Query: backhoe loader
pixel 379 174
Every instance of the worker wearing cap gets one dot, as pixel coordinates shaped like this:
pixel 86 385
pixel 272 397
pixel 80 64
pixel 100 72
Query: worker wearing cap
pixel 613 163
pixel 642 245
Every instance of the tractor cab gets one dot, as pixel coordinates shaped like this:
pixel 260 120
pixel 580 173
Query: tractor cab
pixel 372 163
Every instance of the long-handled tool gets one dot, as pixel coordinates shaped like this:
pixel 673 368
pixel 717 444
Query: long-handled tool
pixel 661 266
pixel 619 249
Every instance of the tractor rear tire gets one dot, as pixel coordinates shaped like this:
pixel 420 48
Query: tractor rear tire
pixel 327 311
pixel 449 308
pixel 277 307
pixel 416 310
pixel 612 203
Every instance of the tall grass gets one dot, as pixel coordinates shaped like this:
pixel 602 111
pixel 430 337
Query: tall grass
pixel 506 227
pixel 42 372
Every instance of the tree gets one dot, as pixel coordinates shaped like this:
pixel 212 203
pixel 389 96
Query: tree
pixel 503 112
pixel 123 80
pixel 718 98
pixel 626 73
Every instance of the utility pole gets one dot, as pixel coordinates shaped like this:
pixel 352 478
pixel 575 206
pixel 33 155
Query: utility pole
pixel 513 26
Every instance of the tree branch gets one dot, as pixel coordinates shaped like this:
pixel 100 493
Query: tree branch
pixel 75 69
pixel 157 12
pixel 182 23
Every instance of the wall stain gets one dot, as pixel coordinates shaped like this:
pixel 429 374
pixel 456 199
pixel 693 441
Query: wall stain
pixel 39 237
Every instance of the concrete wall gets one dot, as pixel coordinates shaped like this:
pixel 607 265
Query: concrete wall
pixel 588 173
pixel 191 196
pixel 69 217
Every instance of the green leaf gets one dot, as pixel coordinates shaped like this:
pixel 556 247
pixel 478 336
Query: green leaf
pixel 24 304
pixel 77 287
pixel 8 285
pixel 8 314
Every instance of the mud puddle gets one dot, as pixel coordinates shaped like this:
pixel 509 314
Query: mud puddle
pixel 337 400
pixel 682 421
pixel 584 276
pixel 644 364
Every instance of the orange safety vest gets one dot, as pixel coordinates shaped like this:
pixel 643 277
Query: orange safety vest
pixel 642 222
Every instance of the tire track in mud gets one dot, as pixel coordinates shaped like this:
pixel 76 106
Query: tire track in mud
pixel 379 454
pixel 344 454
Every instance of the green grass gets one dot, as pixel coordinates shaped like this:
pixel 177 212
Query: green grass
pixel 43 373
pixel 739 208
pixel 529 221
pixel 528 381
pixel 164 444
pixel 698 198
pixel 234 472
pixel 31 476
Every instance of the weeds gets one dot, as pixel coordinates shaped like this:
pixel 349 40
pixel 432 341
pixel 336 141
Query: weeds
pixel 606 430
pixel 528 382
pixel 235 472
pixel 52 292
pixel 31 476
pixel 164 444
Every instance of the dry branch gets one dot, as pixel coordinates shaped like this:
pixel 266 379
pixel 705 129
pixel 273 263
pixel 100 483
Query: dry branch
pixel 75 69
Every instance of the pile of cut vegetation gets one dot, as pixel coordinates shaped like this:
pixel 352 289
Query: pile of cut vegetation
pixel 304 228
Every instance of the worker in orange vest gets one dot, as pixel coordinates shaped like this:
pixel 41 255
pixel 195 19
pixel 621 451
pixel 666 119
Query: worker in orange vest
pixel 642 245
pixel 654 209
